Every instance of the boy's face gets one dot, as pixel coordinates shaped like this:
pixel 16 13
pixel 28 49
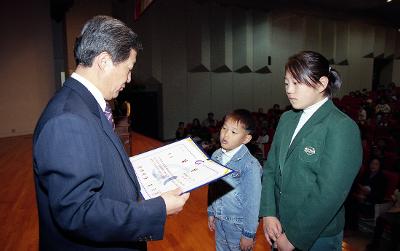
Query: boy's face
pixel 233 134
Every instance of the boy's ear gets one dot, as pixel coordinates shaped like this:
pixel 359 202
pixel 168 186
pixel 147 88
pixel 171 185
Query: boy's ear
pixel 247 139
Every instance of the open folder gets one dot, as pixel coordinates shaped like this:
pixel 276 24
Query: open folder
pixel 181 164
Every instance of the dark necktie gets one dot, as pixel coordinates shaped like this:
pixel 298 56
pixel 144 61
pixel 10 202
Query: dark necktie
pixel 109 116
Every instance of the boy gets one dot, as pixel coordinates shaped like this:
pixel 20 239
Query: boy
pixel 234 201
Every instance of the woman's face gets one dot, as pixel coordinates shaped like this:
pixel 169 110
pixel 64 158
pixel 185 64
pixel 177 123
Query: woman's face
pixel 301 95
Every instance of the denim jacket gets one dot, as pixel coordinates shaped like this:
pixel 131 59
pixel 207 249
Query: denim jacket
pixel 236 197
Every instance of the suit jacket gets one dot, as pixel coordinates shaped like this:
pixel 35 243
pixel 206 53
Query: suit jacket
pixel 306 183
pixel 88 196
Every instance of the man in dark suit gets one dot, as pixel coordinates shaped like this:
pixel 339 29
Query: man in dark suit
pixel 88 195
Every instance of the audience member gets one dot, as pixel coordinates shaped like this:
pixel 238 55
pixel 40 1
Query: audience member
pixel 382 107
pixel 390 219
pixel 362 116
pixel 371 188
pixel 195 130
pixel 262 139
pixel 209 121
pixel 181 132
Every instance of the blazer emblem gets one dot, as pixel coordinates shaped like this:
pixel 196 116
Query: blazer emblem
pixel 309 150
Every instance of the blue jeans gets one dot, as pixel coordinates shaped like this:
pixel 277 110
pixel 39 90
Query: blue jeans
pixel 227 235
pixel 331 243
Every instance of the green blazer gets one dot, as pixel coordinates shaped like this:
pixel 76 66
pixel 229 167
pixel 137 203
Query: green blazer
pixel 306 183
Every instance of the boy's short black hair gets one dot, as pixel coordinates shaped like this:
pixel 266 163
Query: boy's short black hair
pixel 244 117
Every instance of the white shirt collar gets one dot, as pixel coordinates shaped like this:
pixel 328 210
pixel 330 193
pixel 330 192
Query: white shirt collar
pixel 92 89
pixel 232 152
pixel 309 111
pixel 306 115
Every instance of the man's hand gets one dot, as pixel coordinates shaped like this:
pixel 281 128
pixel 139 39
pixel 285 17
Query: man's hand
pixel 246 244
pixel 284 244
pixel 211 223
pixel 174 201
pixel 272 228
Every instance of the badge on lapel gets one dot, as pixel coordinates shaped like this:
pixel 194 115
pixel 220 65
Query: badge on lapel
pixel 309 150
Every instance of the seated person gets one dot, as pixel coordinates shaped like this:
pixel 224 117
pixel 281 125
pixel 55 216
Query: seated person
pixel 195 130
pixel 382 107
pixel 180 132
pixel 209 146
pixel 390 218
pixel 368 191
pixel 209 121
pixel 362 116
pixel 262 139
pixel 371 188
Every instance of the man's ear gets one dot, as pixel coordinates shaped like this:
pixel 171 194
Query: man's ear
pixel 324 83
pixel 103 60
pixel 247 139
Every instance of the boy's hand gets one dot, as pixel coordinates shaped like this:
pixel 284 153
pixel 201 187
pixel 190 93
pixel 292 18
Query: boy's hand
pixel 246 244
pixel 211 223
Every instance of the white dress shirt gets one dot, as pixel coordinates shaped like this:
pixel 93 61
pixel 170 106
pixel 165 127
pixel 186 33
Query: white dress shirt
pixel 306 115
pixel 227 155
pixel 92 89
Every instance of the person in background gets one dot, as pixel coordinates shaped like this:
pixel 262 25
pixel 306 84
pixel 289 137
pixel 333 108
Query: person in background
pixel 372 185
pixel 88 195
pixel 235 199
pixel 368 191
pixel 390 218
pixel 209 121
pixel 315 155
pixel 181 132
pixel 362 116
pixel 382 107
pixel 262 140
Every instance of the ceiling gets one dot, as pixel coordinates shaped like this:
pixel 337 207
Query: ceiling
pixel 375 10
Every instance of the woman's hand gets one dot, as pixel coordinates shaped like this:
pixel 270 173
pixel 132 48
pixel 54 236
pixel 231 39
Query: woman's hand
pixel 284 244
pixel 272 228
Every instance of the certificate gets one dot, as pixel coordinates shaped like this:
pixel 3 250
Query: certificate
pixel 181 164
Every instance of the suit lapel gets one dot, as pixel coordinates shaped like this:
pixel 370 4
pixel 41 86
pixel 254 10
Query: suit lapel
pixel 319 115
pixel 105 124
pixel 117 143
pixel 291 126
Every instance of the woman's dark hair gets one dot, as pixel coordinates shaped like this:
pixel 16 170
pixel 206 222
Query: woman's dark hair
pixel 244 117
pixel 196 122
pixel 307 67
pixel 105 34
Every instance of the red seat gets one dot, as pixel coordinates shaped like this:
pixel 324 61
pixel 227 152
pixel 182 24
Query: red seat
pixel 267 147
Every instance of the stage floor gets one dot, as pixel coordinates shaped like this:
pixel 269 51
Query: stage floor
pixel 186 231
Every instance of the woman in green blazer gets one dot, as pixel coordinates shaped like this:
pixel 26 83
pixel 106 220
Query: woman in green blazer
pixel 314 158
